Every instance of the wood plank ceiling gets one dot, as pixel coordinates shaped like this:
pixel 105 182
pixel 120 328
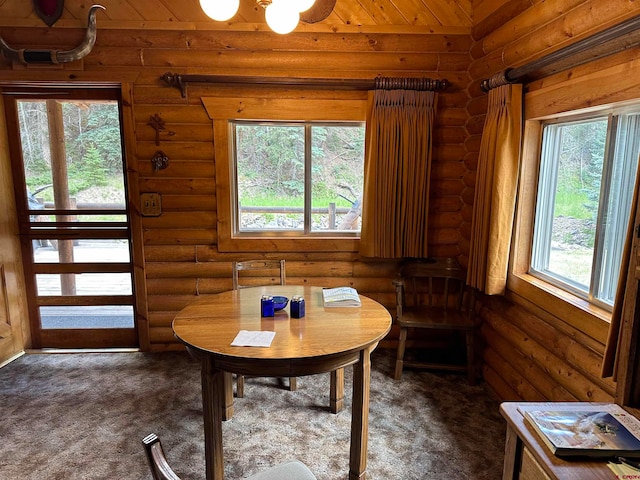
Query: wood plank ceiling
pixel 438 16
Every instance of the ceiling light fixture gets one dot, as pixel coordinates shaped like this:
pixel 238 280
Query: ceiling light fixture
pixel 282 16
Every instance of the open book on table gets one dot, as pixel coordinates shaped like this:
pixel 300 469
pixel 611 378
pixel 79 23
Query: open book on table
pixel 340 297
pixel 604 430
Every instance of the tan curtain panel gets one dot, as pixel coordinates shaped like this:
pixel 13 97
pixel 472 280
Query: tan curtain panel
pixel 495 195
pixel 397 170
pixel 626 280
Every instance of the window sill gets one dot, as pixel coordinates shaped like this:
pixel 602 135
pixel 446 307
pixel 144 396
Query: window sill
pixel 570 309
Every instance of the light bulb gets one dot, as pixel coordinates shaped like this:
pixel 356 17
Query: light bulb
pixel 281 16
pixel 304 5
pixel 220 10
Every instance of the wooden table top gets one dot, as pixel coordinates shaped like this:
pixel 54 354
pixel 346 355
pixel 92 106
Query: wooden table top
pixel 210 324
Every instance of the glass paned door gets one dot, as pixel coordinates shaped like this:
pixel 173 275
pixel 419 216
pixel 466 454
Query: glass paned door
pixel 71 195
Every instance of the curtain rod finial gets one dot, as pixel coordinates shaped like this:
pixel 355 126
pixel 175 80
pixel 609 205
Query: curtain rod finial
pixel 496 80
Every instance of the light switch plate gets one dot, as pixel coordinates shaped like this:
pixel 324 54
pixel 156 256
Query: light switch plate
pixel 151 204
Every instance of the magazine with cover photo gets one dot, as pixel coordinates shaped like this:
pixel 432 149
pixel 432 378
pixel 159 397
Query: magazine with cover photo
pixel 607 432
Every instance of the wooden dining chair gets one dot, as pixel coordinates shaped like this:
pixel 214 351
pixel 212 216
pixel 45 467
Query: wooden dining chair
pixel 431 295
pixel 161 470
pixel 256 273
pixel 253 273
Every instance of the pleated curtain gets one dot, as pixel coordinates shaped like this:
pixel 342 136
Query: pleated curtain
pixel 397 171
pixel 495 194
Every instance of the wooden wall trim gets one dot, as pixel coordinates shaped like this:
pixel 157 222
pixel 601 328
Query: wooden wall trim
pixel 135 219
pixel 14 317
pixel 255 108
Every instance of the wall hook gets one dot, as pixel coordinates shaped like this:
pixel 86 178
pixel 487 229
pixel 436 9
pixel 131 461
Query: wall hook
pixel 160 161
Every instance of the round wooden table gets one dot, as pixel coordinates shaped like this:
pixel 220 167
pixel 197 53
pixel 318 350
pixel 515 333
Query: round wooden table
pixel 325 340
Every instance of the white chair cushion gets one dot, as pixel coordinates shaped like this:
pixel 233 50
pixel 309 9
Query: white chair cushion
pixel 288 471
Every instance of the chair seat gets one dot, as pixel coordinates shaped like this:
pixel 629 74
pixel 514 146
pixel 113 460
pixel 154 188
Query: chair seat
pixel 436 318
pixel 160 469
pixel 294 470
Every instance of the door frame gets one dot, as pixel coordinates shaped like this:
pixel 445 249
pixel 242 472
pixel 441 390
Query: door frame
pixel 82 338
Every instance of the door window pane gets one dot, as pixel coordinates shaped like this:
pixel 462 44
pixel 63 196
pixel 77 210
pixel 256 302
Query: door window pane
pixel 82 172
pixel 84 251
pixel 104 316
pixel 72 284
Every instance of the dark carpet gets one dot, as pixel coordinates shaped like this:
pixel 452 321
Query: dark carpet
pixel 82 416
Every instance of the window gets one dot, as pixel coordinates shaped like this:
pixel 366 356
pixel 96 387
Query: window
pixel 277 109
pixel 585 189
pixel 297 178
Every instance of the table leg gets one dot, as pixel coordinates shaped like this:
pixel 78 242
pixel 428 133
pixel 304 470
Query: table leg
pixel 213 402
pixel 360 416
pixel 512 453
pixel 336 395
pixel 227 412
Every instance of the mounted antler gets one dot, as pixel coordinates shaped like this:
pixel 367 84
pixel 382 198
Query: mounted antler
pixel 28 56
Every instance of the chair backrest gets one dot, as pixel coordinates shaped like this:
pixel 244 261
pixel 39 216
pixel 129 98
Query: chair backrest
pixel 158 464
pixel 258 272
pixel 435 283
pixel 160 469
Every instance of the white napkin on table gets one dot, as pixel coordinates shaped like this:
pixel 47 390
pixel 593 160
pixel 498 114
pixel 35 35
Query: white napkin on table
pixel 246 338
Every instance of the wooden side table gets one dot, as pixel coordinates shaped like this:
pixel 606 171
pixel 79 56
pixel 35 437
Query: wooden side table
pixel 526 457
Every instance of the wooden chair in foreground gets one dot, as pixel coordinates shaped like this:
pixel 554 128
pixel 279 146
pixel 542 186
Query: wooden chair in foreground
pixel 253 273
pixel 431 295
pixel 161 470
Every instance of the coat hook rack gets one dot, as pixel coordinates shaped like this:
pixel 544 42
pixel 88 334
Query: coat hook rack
pixel 160 161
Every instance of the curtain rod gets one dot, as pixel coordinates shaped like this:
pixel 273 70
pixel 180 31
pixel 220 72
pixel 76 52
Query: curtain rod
pixel 583 51
pixel 384 83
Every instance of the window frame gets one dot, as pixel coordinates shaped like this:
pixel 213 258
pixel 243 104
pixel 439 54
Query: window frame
pixel 600 270
pixel 60 230
pixel 524 288
pixel 349 106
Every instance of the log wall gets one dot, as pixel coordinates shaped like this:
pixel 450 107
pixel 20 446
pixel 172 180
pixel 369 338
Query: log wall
pixel 533 349
pixel 531 353
pixel 180 255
